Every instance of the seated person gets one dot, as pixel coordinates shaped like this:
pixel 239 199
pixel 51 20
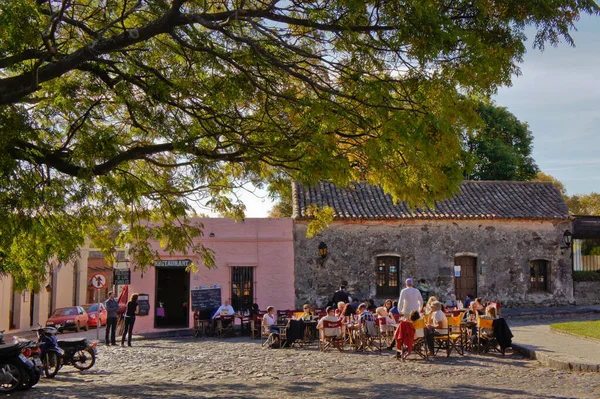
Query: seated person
pixel 366 320
pixel 330 317
pixel 471 314
pixel 414 316
pixel 490 314
pixel 478 305
pixel 269 322
pixel 428 308
pixel 468 301
pixel 307 316
pixel 452 302
pixel 224 310
pixel 339 311
pixel 394 310
pixel 348 314
pixel 438 324
pixel 371 307
pixel 254 310
pixel 390 324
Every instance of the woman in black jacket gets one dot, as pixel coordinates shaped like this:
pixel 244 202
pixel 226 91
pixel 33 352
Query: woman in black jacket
pixel 129 316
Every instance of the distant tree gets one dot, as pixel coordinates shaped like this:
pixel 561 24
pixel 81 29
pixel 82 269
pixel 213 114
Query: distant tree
pixel 584 204
pixel 578 204
pixel 501 148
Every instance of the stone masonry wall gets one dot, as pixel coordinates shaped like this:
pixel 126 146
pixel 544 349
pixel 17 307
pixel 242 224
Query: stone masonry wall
pixel 586 293
pixel 426 250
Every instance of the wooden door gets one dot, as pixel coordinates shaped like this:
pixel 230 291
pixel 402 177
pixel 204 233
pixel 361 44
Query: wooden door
pixel 466 283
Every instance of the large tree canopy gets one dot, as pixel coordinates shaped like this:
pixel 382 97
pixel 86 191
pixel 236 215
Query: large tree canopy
pixel 125 110
pixel 501 148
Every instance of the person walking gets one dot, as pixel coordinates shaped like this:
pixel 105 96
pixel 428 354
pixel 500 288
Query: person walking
pixel 129 319
pixel 111 319
pixel 410 299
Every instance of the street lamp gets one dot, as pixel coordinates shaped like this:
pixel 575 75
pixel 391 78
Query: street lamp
pixel 323 250
pixel 567 239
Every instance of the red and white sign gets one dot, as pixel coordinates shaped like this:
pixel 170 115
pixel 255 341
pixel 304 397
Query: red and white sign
pixel 98 281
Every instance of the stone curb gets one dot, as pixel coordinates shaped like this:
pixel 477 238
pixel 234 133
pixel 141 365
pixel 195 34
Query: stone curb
pixel 555 362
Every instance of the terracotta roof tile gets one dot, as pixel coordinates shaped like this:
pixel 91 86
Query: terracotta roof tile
pixel 476 200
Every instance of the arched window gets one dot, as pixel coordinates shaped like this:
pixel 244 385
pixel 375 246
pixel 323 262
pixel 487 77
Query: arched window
pixel 388 274
pixel 539 274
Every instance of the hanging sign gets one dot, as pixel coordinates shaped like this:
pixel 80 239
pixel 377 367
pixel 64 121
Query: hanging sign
pixel 122 277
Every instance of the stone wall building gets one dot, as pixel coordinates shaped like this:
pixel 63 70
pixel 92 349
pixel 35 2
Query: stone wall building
pixel 498 240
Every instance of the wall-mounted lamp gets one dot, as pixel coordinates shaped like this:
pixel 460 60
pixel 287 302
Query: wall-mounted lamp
pixel 568 240
pixel 48 288
pixel 211 235
pixel 323 250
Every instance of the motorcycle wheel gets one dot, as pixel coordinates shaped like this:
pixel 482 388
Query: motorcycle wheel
pixel 30 378
pixel 36 378
pixel 84 359
pixel 51 362
pixel 11 375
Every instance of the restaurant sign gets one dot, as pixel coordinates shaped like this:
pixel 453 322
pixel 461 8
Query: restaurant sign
pixel 172 263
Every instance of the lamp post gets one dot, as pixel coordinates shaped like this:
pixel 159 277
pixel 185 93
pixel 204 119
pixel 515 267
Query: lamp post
pixel 567 239
pixel 323 250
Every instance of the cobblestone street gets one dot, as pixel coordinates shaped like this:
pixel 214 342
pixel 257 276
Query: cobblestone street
pixel 241 368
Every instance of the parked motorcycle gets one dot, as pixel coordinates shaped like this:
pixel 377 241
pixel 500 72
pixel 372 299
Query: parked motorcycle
pixel 31 350
pixel 15 368
pixel 50 352
pixel 78 352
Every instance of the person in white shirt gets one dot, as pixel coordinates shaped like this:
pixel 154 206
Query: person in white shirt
pixel 330 317
pixel 224 310
pixel 438 325
pixel 451 303
pixel 410 299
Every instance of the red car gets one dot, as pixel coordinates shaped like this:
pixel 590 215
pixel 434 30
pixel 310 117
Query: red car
pixel 71 318
pixel 92 311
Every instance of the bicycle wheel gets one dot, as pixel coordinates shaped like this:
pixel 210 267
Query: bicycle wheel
pixel 84 359
pixel 51 363
pixel 11 375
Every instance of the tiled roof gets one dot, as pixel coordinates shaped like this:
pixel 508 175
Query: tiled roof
pixel 476 200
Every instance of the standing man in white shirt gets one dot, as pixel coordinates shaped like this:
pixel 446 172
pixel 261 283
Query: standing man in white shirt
pixel 410 299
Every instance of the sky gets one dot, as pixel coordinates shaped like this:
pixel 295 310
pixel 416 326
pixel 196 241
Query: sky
pixel 558 95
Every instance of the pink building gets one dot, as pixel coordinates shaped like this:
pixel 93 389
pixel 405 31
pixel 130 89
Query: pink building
pixel 254 264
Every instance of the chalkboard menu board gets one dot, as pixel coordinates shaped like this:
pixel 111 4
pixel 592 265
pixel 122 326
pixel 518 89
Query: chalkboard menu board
pixel 206 299
pixel 143 304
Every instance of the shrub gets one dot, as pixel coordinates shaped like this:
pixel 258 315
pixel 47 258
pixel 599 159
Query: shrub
pixel 586 275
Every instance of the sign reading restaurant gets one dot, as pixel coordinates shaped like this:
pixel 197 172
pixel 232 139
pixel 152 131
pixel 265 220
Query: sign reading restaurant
pixel 172 263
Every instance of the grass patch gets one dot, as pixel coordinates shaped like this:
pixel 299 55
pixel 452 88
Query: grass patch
pixel 590 329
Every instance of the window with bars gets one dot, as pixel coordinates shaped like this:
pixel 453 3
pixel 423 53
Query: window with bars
pixel 242 287
pixel 388 274
pixel 539 272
